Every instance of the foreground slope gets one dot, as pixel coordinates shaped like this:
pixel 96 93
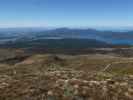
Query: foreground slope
pixel 66 77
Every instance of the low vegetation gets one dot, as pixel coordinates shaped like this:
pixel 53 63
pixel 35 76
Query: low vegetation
pixel 66 77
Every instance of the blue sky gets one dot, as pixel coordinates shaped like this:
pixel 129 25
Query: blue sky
pixel 66 13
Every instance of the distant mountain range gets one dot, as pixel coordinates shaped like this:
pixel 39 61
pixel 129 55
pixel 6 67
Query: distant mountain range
pixel 106 36
pixel 38 34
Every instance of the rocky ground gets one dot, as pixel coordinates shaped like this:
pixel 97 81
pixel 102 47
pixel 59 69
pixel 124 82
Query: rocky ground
pixel 66 85
pixel 45 77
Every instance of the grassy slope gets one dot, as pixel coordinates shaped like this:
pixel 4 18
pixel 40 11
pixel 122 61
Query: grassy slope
pixel 65 77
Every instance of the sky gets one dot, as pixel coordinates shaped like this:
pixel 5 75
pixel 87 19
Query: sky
pixel 66 13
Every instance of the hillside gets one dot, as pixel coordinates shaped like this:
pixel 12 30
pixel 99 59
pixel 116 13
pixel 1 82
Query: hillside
pixel 66 77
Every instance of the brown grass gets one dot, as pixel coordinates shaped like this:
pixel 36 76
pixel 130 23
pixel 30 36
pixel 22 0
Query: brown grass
pixel 63 77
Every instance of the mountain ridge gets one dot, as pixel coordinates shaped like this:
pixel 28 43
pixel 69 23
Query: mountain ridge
pixel 110 37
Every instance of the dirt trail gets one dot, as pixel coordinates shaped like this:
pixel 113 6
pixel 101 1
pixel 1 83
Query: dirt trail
pixel 117 62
